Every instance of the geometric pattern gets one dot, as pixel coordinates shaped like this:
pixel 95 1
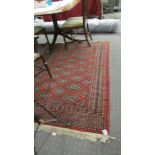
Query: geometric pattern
pixel 78 92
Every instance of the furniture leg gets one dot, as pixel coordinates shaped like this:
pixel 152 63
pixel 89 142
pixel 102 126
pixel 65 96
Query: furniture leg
pixel 86 35
pixel 56 30
pixel 36 119
pixel 65 42
pixel 47 39
pixel 101 13
pixel 54 40
pixel 89 32
pixel 46 66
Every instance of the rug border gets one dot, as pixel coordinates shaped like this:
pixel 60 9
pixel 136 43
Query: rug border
pixel 107 43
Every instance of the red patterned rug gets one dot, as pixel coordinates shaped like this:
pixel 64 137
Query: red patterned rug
pixel 78 94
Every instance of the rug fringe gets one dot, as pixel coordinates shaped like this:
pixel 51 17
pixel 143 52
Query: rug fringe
pixel 77 134
pixel 92 41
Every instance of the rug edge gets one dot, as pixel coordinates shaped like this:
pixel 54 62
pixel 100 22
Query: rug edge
pixel 107 45
pixel 73 133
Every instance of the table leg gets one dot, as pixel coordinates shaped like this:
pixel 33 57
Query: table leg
pixel 57 30
pixel 101 12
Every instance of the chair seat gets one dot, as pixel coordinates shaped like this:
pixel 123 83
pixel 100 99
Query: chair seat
pixel 36 56
pixel 37 29
pixel 73 22
pixel 42 49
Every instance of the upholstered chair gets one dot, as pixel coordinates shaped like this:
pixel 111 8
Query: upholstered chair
pixel 74 23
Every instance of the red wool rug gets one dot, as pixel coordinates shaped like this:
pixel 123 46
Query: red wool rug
pixel 78 93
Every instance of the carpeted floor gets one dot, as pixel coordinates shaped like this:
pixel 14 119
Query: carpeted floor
pixel 47 144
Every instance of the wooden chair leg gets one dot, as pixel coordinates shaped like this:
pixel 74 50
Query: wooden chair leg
pixel 89 32
pixel 36 119
pixel 86 36
pixel 46 66
pixel 47 39
pixel 65 41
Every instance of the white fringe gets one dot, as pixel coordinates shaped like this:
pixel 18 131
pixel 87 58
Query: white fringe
pixel 74 133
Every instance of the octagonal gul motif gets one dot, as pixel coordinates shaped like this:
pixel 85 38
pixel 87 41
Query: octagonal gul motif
pixel 74 87
pixel 59 91
pixel 55 103
pixel 44 95
pixel 69 66
pixel 71 98
pixel 50 85
pixel 58 69
pixel 65 73
pixel 77 78
pixel 85 94
pixel 82 62
pixel 63 81
pixel 86 82
pixel 80 70
pixel 55 76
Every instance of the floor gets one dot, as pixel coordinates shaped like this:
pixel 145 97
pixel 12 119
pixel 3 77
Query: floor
pixel 114 15
pixel 47 144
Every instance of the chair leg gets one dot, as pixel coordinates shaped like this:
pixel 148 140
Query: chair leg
pixel 36 119
pixel 89 32
pixel 86 36
pixel 46 66
pixel 65 41
pixel 54 40
pixel 47 39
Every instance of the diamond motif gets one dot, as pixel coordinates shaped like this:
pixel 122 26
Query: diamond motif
pixel 80 70
pixel 55 102
pixel 59 91
pixel 36 88
pixel 83 57
pixel 71 98
pixel 44 95
pixel 71 60
pixel 85 94
pixel 64 57
pixel 58 69
pixel 90 66
pixel 50 85
pixel 86 82
pixel 55 76
pixel 75 87
pixel 89 73
pixel 63 81
pixel 81 62
pixel 65 73
pixel 76 77
pixel 69 66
